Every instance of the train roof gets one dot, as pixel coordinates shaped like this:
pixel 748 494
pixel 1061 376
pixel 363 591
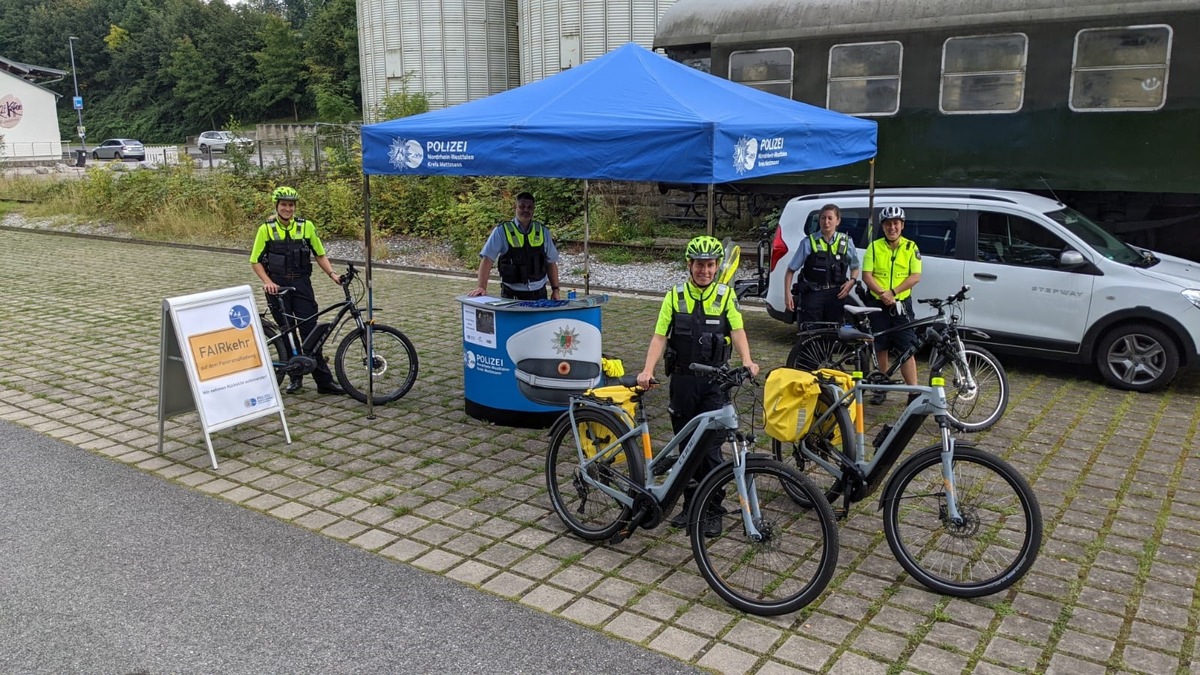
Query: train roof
pixel 697 22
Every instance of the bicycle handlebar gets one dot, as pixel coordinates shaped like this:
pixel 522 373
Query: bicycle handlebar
pixel 726 376
pixel 938 303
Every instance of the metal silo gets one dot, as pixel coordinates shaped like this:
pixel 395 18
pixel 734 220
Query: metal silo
pixel 558 34
pixel 455 50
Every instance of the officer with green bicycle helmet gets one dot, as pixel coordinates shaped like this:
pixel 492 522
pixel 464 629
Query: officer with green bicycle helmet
pixel 282 256
pixel 698 322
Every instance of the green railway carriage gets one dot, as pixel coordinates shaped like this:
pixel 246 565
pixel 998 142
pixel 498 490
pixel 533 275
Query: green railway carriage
pixel 1095 102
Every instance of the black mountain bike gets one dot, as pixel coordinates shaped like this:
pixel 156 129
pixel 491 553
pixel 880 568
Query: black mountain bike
pixel 977 391
pixel 390 364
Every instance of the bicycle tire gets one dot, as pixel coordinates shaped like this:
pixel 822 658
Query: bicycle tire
pixel 394 363
pixel 794 562
pixel 820 349
pixel 995 546
pixel 979 409
pixel 826 440
pixel 271 331
pixel 586 510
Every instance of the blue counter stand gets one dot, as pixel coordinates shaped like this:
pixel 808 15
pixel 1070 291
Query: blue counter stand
pixel 523 359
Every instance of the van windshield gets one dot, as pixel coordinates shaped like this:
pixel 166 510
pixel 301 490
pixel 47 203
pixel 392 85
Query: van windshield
pixel 1097 237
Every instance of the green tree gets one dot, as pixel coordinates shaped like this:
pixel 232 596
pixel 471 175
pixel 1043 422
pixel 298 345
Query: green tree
pixel 281 67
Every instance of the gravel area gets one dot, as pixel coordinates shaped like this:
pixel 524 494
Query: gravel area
pixel 434 254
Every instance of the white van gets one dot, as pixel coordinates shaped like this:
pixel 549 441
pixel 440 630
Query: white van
pixel 1045 281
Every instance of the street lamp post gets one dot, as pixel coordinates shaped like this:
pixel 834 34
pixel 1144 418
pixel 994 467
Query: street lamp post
pixel 78 109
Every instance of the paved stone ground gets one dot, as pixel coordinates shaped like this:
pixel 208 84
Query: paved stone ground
pixel 1115 589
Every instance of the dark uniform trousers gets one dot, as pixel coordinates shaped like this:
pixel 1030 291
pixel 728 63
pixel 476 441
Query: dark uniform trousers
pixel 539 294
pixel 822 305
pixel 691 395
pixel 300 303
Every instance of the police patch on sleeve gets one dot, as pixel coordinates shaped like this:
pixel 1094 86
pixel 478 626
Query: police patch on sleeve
pixel 917 254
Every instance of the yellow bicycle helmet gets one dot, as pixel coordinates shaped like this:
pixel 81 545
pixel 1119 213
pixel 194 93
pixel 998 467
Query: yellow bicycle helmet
pixel 705 247
pixel 285 194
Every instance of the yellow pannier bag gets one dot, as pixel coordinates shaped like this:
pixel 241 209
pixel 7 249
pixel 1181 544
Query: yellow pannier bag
pixel 789 403
pixel 593 436
pixel 845 382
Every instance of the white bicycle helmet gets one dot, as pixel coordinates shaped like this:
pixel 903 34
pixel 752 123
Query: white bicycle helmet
pixel 890 212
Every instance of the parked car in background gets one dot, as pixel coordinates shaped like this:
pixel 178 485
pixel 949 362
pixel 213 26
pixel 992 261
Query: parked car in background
pixel 1045 281
pixel 219 141
pixel 120 148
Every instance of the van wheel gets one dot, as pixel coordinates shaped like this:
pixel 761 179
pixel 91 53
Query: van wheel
pixel 1138 357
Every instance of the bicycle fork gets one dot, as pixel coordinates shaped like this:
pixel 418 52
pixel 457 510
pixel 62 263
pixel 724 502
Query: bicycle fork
pixel 964 378
pixel 950 510
pixel 747 492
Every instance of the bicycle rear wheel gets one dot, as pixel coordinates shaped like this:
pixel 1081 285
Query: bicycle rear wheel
pixel 277 344
pixel 979 407
pixel 826 439
pixel 995 545
pixel 795 559
pixel 583 507
pixel 393 364
pixel 820 349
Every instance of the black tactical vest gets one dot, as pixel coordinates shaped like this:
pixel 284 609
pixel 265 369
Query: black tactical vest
pixel 285 256
pixel 525 260
pixel 827 264
pixel 702 335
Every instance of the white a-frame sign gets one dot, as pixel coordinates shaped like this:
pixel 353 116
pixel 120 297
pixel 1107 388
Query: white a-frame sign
pixel 214 360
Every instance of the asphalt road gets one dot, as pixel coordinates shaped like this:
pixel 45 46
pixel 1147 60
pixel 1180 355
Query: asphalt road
pixel 106 569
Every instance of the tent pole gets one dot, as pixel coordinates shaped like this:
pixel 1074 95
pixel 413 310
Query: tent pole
pixel 871 201
pixel 370 308
pixel 587 280
pixel 711 217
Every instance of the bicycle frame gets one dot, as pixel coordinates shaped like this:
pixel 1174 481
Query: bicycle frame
pixel 725 419
pixel 869 472
pixel 291 331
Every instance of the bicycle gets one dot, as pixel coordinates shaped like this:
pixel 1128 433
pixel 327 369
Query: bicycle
pixel 959 519
pixel 756 287
pixel 979 389
pixel 773 555
pixel 392 368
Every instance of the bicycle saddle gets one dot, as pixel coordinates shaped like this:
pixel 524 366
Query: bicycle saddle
pixel 855 310
pixel 849 333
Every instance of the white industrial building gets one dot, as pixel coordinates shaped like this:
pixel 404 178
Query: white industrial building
pixel 28 113
pixel 456 51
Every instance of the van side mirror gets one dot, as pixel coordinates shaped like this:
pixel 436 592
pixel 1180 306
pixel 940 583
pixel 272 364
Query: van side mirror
pixel 1071 258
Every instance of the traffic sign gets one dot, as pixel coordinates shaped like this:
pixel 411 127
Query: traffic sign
pixel 78 102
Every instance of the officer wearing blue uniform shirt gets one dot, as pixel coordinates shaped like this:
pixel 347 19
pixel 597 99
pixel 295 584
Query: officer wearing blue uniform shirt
pixel 828 266
pixel 524 255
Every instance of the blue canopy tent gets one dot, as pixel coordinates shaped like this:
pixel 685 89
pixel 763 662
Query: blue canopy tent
pixel 629 115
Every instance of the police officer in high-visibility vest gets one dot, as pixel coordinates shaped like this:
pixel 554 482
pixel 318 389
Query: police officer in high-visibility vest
pixel 282 256
pixel 891 267
pixel 828 266
pixel 698 322
pixel 524 255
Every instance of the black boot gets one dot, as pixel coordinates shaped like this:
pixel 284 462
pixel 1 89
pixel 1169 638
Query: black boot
pixel 681 519
pixel 710 520
pixel 294 386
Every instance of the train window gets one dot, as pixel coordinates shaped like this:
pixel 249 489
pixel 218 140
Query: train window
pixel 767 69
pixel 983 74
pixel 864 78
pixel 1121 68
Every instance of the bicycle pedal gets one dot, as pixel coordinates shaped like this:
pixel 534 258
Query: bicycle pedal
pixel 841 513
pixel 620 536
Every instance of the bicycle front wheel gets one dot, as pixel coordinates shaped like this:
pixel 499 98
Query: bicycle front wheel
pixel 583 507
pixel 276 343
pixel 826 439
pixel 991 549
pixel 979 406
pixel 794 558
pixel 393 364
pixel 820 349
